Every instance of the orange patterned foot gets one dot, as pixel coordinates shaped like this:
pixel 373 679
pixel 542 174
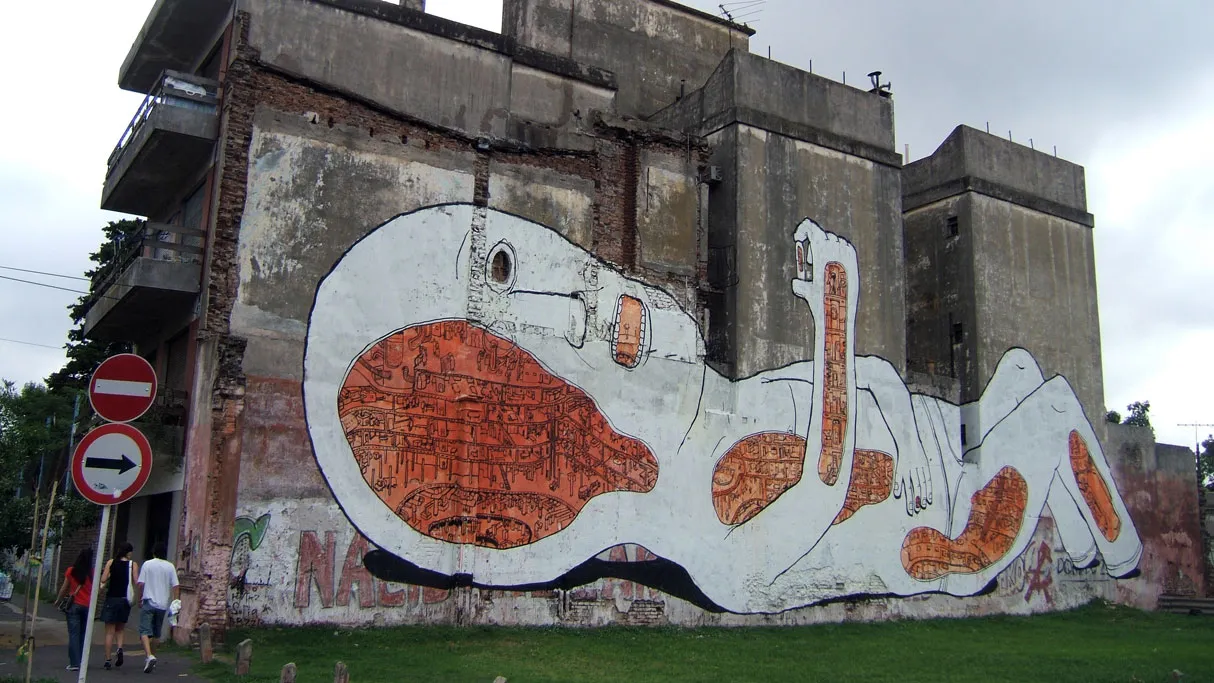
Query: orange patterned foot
pixel 754 472
pixel 834 374
pixel 1094 489
pixel 995 519
pixel 469 440
pixel 872 480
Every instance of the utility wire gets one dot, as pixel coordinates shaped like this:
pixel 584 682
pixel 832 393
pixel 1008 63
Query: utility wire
pixel 39 272
pixel 32 343
pixel 42 284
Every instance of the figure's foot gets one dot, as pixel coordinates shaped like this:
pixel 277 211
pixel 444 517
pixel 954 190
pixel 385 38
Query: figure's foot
pixel 996 515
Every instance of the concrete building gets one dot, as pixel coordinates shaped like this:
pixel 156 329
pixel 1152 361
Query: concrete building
pixel 359 214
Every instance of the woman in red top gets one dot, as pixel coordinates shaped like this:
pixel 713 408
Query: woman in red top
pixel 78 583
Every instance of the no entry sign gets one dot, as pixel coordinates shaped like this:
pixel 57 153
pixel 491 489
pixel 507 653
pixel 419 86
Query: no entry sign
pixel 122 388
pixel 111 464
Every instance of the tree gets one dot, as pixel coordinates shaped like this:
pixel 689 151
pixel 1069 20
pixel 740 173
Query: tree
pixel 1113 416
pixel 1205 463
pixel 35 427
pixel 84 355
pixel 1138 414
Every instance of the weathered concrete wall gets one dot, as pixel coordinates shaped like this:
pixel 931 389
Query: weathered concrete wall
pixel 939 287
pixel 1035 287
pixel 1020 272
pixel 780 181
pixel 1207 537
pixel 792 145
pixel 656 48
pixel 423 66
pixel 1159 483
pixel 401 407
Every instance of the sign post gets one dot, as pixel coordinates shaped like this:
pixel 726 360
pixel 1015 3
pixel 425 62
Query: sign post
pixel 113 462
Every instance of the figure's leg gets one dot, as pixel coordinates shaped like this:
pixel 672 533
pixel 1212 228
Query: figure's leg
pixel 1004 485
pixel 1084 474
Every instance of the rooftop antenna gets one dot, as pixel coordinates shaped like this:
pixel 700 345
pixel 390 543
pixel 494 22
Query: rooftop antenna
pixel 878 87
pixel 736 12
pixel 1196 434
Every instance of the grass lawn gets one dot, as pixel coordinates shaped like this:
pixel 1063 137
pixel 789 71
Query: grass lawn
pixel 1095 643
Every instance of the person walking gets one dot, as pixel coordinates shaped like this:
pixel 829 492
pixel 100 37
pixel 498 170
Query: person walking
pixel 119 577
pixel 158 588
pixel 78 583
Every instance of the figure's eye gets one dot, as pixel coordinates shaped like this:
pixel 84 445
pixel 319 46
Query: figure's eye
pixel 501 266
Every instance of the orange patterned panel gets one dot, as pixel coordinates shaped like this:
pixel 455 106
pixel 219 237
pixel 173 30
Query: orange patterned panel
pixel 872 480
pixel 834 374
pixel 995 518
pixel 754 472
pixel 469 440
pixel 1094 489
pixel 629 331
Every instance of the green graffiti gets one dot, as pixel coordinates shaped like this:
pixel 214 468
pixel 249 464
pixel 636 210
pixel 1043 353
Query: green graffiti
pixel 255 529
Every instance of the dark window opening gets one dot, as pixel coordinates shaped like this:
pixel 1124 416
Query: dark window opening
pixel 964 440
pixel 958 333
pixel 954 226
pixel 500 271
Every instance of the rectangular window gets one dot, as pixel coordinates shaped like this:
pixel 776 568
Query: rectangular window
pixel 954 226
pixel 964 440
pixel 958 333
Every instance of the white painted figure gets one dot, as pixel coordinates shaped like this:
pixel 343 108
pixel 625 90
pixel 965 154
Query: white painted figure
pixel 933 515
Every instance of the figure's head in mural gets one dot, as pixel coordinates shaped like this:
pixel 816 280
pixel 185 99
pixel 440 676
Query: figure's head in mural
pixel 487 399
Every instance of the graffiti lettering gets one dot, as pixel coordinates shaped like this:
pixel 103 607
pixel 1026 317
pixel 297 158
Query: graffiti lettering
pixel 317 562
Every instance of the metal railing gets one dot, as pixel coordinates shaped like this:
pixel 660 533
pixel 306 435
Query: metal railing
pixel 173 89
pixel 157 241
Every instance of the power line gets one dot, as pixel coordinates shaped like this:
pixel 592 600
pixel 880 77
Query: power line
pixel 18 341
pixel 42 284
pixel 39 272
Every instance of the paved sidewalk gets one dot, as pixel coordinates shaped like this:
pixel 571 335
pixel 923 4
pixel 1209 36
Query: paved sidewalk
pixel 50 655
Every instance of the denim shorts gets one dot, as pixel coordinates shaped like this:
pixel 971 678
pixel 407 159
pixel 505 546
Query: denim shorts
pixel 115 611
pixel 151 621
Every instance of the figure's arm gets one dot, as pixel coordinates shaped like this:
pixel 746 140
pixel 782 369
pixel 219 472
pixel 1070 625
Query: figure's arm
pixel 828 280
pixel 912 474
pixel 105 574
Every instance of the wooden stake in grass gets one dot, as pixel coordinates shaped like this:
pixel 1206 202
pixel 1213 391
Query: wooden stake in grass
pixel 341 674
pixel 205 649
pixel 244 657
pixel 288 673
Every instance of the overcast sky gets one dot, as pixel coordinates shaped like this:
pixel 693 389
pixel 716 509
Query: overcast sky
pixel 1125 89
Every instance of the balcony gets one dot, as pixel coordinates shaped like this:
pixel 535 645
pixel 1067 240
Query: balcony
pixel 152 284
pixel 170 139
pixel 176 35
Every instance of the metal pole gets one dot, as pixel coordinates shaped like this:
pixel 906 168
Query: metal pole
pixel 88 625
pixel 50 509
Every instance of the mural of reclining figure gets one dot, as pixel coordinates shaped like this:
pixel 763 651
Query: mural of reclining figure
pixel 487 399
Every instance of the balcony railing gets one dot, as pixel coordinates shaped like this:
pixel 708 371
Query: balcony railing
pixel 173 89
pixel 157 241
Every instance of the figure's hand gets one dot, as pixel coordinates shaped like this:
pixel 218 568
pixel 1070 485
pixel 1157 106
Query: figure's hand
pixel 913 484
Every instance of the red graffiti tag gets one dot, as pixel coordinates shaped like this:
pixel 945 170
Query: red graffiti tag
pixel 1041 579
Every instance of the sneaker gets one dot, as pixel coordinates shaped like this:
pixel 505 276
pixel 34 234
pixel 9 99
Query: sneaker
pixel 108 665
pixel 72 668
pixel 149 665
pixel 118 658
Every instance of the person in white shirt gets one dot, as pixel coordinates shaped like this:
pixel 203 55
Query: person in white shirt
pixel 158 588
